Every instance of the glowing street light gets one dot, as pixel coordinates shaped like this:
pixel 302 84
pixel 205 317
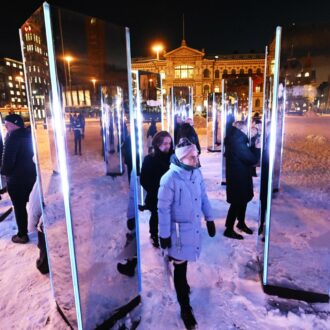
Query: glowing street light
pixel 93 80
pixel 69 59
pixel 157 48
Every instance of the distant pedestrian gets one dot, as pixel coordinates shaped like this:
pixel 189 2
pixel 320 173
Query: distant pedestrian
pixel 20 171
pixel 77 131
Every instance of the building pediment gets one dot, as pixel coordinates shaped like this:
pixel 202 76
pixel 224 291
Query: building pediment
pixel 184 51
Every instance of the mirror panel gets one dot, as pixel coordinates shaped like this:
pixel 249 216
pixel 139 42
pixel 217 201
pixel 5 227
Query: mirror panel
pixel 93 256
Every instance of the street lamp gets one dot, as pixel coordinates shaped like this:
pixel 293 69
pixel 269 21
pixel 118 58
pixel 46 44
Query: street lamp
pixel 69 59
pixel 157 48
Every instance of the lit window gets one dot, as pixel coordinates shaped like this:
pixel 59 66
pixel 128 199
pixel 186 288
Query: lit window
pixel 23 87
pixel 18 99
pixel 184 72
pixel 8 63
pixel 10 78
pixel 12 93
pixel 20 66
pixel 216 89
pixel 10 84
pixel 257 89
pixel 13 99
pixel 14 65
pixel 18 93
pixel 21 73
pixel 307 74
pixel 299 75
pixel 23 93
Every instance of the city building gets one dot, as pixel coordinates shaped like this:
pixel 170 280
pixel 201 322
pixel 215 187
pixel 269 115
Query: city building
pixel 185 66
pixel 12 86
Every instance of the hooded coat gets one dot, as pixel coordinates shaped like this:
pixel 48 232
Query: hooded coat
pixel 17 164
pixel 239 162
pixel 182 200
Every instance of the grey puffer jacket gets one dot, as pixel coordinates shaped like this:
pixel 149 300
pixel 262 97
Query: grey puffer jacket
pixel 182 201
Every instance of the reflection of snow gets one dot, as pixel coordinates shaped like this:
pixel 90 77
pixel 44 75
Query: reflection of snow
pixel 226 290
pixel 300 211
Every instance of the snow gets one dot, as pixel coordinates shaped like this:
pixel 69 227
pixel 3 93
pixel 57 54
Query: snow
pixel 225 283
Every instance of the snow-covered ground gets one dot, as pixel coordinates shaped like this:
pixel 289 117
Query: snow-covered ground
pixel 226 288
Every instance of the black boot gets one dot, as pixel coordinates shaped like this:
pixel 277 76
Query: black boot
pixel 182 291
pixel 155 241
pixel 188 317
pixel 243 227
pixel 232 234
pixel 127 269
pixel 42 261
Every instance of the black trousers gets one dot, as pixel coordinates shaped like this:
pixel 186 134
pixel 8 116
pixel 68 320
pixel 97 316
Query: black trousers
pixel 42 261
pixel 153 223
pixel 236 211
pixel 19 195
pixel 77 144
pixel 181 284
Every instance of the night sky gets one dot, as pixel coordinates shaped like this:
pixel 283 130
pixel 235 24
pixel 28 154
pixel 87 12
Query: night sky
pixel 220 27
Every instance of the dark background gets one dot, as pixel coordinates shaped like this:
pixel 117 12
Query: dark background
pixel 220 27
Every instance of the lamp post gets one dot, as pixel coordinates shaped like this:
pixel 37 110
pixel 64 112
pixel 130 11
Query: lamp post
pixel 93 80
pixel 157 48
pixel 69 59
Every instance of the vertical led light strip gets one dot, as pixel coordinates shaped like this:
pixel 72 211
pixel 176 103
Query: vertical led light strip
pixel 191 114
pixel 60 136
pixel 272 148
pixel 162 103
pixel 172 109
pixel 133 145
pixel 263 131
pixel 250 107
pixel 213 120
pixel 223 128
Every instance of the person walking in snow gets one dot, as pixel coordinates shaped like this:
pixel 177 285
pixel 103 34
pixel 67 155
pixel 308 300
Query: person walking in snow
pixel 239 185
pixel 20 171
pixel 182 200
pixel 154 166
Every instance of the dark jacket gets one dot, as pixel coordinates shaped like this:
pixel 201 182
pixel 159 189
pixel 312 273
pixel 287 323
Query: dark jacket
pixel 239 159
pixel 153 168
pixel 17 164
pixel 187 131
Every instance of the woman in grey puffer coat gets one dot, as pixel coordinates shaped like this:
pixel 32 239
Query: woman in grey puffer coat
pixel 182 200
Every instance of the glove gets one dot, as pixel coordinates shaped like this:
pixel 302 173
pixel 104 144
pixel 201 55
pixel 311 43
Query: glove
pixel 131 224
pixel 165 242
pixel 210 228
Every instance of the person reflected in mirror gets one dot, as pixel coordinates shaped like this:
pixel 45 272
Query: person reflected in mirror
pixel 154 166
pixel 77 131
pixel 128 268
pixel 255 146
pixel 152 130
pixel 264 179
pixel 20 171
pixel 81 118
pixel 182 201
pixel 239 185
pixel 188 131
pixel 177 124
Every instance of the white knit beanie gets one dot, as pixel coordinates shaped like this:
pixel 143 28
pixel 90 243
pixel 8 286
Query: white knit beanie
pixel 184 148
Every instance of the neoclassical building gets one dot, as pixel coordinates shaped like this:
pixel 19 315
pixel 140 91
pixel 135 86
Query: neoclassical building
pixel 185 66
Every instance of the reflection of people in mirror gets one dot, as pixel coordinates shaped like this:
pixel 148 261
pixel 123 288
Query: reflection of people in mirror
pixel 77 131
pixel 154 166
pixel 152 130
pixel 20 171
pixel 188 131
pixel 239 188
pixel 182 200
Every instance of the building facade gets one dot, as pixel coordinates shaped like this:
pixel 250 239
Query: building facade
pixel 12 85
pixel 185 66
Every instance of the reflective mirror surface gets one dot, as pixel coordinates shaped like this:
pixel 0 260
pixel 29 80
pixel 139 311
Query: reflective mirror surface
pixel 83 85
pixel 299 175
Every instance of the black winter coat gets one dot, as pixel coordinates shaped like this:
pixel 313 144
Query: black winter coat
pixel 239 160
pixel 17 164
pixel 153 168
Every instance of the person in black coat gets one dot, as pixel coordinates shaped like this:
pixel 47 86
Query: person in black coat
pixel 239 160
pixel 20 171
pixel 154 166
pixel 187 131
